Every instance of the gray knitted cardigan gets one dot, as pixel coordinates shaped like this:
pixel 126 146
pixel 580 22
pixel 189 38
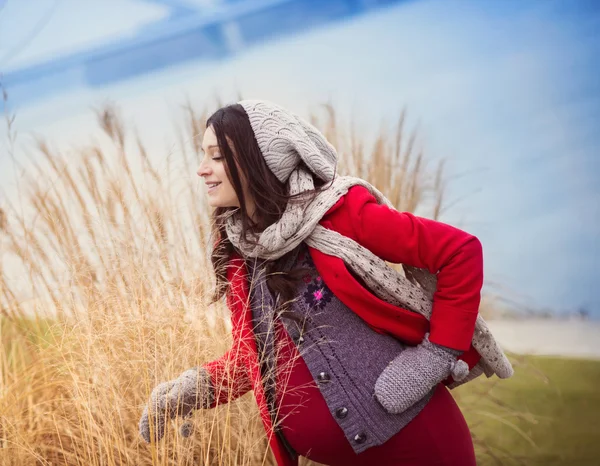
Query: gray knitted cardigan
pixel 334 343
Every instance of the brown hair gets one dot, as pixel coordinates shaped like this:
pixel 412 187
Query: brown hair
pixel 245 161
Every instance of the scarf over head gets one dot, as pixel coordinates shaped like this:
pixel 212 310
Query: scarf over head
pixel 285 141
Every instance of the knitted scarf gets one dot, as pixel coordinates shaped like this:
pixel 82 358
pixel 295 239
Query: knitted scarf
pixel 300 222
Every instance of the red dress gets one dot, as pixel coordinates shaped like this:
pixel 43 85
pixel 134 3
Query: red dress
pixel 438 435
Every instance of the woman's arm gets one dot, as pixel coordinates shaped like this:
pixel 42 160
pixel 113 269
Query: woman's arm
pixel 456 257
pixel 229 376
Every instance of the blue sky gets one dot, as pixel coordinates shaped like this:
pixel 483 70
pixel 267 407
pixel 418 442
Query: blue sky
pixel 507 91
pixel 43 29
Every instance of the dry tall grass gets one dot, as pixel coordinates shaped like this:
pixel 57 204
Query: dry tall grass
pixel 104 279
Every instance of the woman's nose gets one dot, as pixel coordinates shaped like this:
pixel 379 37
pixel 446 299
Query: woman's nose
pixel 203 170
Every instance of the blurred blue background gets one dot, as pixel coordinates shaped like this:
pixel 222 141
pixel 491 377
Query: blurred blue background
pixel 508 91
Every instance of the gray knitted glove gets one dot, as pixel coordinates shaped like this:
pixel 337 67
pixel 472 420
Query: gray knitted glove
pixel 415 372
pixel 180 397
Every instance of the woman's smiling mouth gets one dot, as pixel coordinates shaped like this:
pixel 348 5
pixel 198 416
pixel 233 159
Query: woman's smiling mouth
pixel 212 186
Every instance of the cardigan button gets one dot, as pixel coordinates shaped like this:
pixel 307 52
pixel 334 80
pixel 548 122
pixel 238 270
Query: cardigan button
pixel 341 413
pixel 323 377
pixel 360 438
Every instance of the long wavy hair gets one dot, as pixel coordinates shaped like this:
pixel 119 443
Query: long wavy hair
pixel 245 161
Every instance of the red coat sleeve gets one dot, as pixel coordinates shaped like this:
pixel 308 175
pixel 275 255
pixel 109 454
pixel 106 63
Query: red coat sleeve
pixel 456 257
pixel 229 376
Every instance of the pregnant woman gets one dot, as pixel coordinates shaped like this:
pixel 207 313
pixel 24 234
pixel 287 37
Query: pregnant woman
pixel 350 362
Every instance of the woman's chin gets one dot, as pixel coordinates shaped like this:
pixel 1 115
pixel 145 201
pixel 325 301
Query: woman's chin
pixel 216 203
pixel 213 203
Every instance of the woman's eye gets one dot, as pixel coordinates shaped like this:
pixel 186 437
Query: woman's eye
pixel 217 158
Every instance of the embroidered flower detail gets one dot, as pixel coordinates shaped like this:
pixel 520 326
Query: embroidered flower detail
pixel 319 279
pixel 306 278
pixel 317 295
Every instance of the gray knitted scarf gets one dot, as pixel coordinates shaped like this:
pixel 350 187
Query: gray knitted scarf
pixel 285 140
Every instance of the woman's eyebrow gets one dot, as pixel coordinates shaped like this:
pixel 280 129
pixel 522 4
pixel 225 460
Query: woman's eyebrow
pixel 209 147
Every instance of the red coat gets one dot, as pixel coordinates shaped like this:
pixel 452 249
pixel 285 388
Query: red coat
pixel 397 237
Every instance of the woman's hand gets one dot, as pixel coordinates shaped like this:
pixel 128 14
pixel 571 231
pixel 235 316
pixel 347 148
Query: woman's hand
pixel 179 397
pixel 415 372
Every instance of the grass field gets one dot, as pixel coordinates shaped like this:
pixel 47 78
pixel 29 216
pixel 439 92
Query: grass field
pixel 547 414
pixel 52 412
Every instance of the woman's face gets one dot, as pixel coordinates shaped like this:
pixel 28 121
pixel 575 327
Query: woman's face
pixel 212 169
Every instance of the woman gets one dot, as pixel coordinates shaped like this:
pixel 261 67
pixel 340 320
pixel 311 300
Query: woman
pixel 348 360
